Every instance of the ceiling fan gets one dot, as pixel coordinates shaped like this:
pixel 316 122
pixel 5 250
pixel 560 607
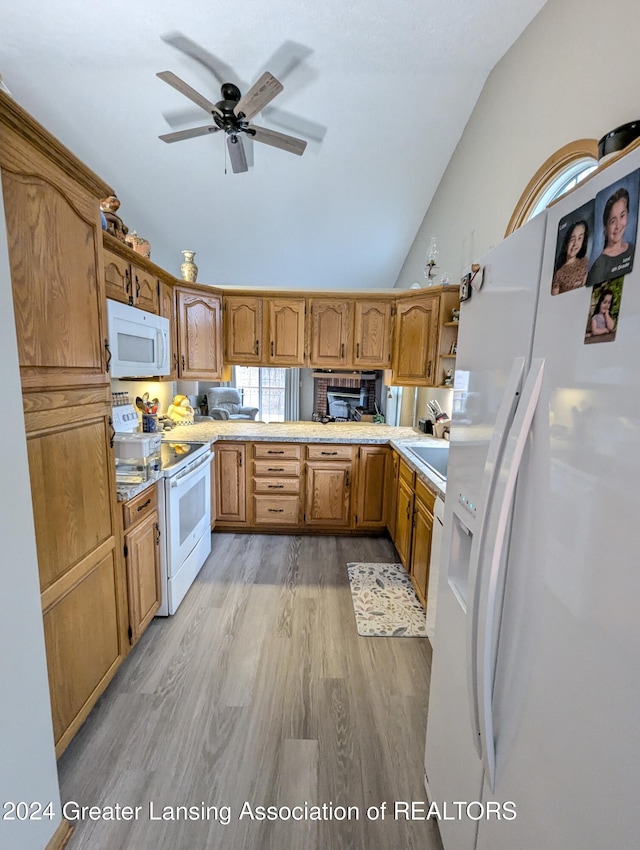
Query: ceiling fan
pixel 232 114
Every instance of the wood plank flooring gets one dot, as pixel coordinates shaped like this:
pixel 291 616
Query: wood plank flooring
pixel 259 691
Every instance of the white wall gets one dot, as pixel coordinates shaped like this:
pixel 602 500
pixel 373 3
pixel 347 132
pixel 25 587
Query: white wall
pixel 572 74
pixel 27 764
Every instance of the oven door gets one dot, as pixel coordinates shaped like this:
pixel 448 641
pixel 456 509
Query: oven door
pixel 188 510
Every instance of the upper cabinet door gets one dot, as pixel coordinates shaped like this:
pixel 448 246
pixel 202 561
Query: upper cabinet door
pixel 330 332
pixel 55 255
pixel 372 334
pixel 243 330
pixel 199 334
pixel 117 276
pixel 286 331
pixel 167 308
pixel 145 289
pixel 414 357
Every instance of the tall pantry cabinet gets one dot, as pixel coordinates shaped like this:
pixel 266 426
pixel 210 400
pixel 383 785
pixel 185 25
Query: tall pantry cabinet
pixel 55 250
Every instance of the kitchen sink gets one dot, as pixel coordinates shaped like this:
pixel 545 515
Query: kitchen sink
pixel 435 457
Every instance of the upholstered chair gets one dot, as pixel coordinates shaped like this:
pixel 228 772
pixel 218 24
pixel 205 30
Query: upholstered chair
pixel 226 403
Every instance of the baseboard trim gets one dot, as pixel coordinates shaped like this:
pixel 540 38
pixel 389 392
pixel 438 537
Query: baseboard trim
pixel 61 836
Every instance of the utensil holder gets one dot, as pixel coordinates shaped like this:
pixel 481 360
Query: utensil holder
pixel 149 422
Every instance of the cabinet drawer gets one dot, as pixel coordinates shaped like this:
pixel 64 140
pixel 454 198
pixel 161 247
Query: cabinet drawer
pixel 274 486
pixel 279 468
pixel 277 450
pixel 330 452
pixel 406 473
pixel 276 510
pixel 425 495
pixel 137 508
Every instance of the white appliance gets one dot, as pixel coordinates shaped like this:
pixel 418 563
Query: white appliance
pixel 137 455
pixel 138 342
pixel 535 691
pixel 186 512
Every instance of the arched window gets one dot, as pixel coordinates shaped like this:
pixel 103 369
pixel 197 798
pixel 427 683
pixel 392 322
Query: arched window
pixel 560 173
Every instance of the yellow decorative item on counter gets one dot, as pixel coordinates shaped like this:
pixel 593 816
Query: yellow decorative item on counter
pixel 180 411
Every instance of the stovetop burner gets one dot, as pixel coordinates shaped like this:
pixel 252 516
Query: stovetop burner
pixel 176 453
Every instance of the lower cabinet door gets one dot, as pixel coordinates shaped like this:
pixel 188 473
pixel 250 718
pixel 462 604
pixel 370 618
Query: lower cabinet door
pixel 404 523
pixel 328 493
pixel 82 644
pixel 371 509
pixel 143 573
pixel 230 462
pixel 421 550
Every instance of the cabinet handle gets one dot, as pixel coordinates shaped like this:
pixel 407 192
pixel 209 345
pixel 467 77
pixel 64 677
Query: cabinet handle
pixel 357 351
pixel 175 360
pixel 275 451
pixel 272 347
pixel 342 349
pixel 158 532
pixel 137 287
pixel 146 504
pixel 275 469
pixel 183 363
pixel 108 350
pixel 113 432
pixel 239 459
pixel 257 347
pixel 275 486
pixel 348 479
pixel 429 369
pixel 275 510
pixel 329 453
pixel 127 285
pixel 408 511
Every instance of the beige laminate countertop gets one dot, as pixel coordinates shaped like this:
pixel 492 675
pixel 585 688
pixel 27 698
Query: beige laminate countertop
pixel 315 432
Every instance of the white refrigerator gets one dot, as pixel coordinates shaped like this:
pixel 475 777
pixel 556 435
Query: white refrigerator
pixel 535 687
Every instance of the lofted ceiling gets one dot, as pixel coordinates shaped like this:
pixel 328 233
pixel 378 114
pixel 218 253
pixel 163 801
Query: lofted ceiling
pixel 382 90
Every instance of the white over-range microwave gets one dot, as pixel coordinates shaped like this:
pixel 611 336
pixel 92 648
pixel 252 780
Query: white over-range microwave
pixel 138 342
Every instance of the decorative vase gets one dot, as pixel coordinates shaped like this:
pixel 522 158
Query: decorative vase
pixel 188 269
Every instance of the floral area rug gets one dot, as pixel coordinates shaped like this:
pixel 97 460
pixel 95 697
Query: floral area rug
pixel 384 601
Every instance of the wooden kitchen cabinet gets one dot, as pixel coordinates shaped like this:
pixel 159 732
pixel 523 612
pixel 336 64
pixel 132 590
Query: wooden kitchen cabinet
pixel 421 540
pixel 82 583
pixel 404 514
pixel 54 237
pixel 415 342
pixel 243 330
pixel 330 332
pixel 275 485
pixel 55 256
pixel 329 477
pixel 127 282
pixel 167 309
pixel 199 319
pixel 286 331
pixel 142 557
pixel 392 489
pixel 372 334
pixel 372 492
pixel 230 460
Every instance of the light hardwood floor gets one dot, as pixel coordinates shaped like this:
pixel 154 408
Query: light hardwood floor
pixel 260 690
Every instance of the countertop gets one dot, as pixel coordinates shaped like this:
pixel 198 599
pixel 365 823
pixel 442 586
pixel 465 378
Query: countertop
pixel 315 432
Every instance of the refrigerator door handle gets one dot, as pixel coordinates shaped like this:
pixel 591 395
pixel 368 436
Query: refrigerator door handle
pixel 492 566
pixel 504 418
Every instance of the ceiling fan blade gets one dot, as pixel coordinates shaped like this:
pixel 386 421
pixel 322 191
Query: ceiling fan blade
pixel 259 95
pixel 222 72
pixel 237 155
pixel 188 134
pixel 187 91
pixel 287 58
pixel 278 140
pixel 299 125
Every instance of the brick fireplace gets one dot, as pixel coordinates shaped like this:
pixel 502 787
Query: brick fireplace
pixel 323 380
